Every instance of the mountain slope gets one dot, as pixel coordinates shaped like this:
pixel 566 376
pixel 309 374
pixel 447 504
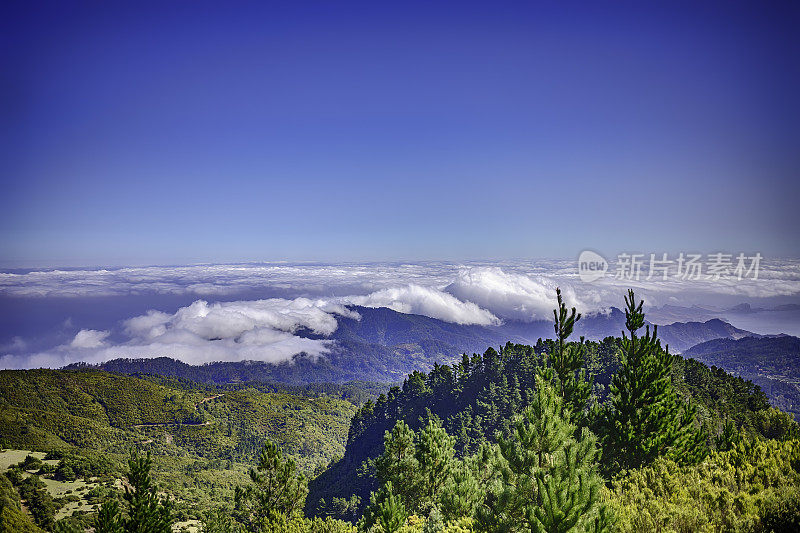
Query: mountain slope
pixel 683 335
pixel 476 397
pixel 385 345
pixel 48 409
pixel 772 362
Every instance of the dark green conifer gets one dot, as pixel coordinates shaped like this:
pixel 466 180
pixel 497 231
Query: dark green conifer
pixel 546 479
pixel 646 417
pixel 109 519
pixel 391 511
pixel 564 365
pixel 277 487
pixel 146 511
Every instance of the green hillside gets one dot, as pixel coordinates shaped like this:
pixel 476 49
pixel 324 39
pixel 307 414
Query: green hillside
pixel 202 438
pixel 53 409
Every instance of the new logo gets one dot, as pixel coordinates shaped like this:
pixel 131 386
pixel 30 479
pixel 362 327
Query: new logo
pixel 591 266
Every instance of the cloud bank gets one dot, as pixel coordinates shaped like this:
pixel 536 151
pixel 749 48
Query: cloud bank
pixel 418 300
pixel 510 295
pixel 314 298
pixel 261 330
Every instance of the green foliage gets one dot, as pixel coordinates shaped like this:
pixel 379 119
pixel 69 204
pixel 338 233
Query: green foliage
pixel 775 424
pixel 12 518
pixel 752 487
pixel 566 362
pixel 728 437
pixel 310 429
pixel 480 395
pixel 31 463
pixel 421 472
pixel 109 519
pixel 117 401
pixel 145 512
pixel 276 486
pixel 771 362
pixel 39 502
pixel 646 418
pixel 390 513
pixel 60 410
pixel 446 451
pixel 399 464
pixel 545 480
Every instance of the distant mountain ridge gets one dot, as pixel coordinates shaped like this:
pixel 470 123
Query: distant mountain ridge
pixel 386 345
pixel 777 354
pixel 770 361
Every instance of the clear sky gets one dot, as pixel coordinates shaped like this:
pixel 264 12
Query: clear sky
pixel 172 132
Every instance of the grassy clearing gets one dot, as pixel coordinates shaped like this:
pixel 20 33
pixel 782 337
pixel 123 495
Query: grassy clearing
pixel 12 457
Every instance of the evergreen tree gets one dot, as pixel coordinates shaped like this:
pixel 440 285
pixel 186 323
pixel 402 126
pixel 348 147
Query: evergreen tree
pixel 728 438
pixel 462 491
pixel 398 464
pixel 420 472
pixel 391 511
pixel 645 417
pixel 564 364
pixel 435 454
pixel 277 487
pixel 109 519
pixel 545 479
pixel 146 512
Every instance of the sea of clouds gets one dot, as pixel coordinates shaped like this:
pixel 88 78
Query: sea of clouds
pixel 241 312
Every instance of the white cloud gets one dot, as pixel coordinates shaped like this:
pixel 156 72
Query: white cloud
pixel 313 295
pixel 510 295
pixel 259 330
pixel 776 278
pixel 414 299
pixel 231 319
pixel 89 338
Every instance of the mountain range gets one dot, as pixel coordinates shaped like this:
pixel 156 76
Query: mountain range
pixel 386 345
pixel 772 362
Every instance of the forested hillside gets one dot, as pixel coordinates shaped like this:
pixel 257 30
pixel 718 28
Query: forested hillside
pixel 383 345
pixel 202 438
pixel 58 409
pixel 680 414
pixel 772 362
pixel 562 435
pixel 480 396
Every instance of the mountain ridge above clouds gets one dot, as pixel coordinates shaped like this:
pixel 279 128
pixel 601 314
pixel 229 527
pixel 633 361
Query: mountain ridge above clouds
pixel 386 345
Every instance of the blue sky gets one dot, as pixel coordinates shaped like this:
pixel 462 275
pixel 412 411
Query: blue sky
pixel 155 133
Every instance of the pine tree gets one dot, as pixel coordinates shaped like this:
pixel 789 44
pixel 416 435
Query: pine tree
pixel 545 478
pixel 645 417
pixel 728 438
pixel 435 454
pixel 109 519
pixel 420 472
pixel 391 511
pixel 277 487
pixel 399 464
pixel 461 492
pixel 564 364
pixel 147 513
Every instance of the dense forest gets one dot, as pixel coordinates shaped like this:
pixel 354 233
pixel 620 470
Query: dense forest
pixel 772 362
pixel 565 435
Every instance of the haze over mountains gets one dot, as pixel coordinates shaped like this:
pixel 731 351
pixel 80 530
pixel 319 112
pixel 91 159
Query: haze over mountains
pixel 406 342
pixel 273 312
